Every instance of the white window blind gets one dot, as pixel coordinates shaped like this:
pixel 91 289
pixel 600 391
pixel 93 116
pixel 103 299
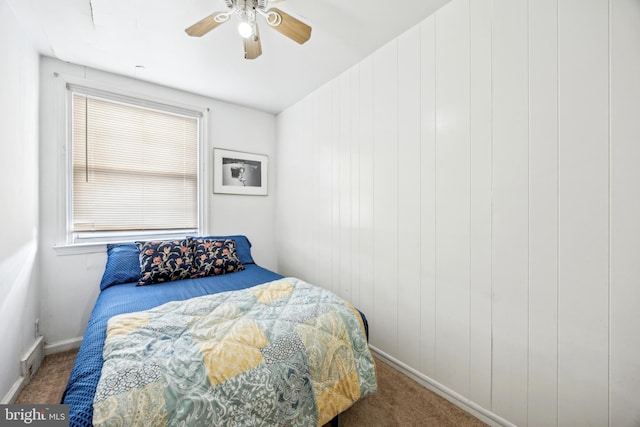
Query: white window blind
pixel 135 169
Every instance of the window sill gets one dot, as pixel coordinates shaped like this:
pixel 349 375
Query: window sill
pixel 80 248
pixel 100 246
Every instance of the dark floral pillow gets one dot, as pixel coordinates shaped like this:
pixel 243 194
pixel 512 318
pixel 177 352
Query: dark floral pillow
pixel 213 257
pixel 164 261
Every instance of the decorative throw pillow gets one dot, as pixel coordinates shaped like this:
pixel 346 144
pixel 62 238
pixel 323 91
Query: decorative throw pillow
pixel 243 246
pixel 212 257
pixel 164 261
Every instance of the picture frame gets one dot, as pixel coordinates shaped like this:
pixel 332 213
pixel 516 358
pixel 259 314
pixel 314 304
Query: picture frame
pixel 237 172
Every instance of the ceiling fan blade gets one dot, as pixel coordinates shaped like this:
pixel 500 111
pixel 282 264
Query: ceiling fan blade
pixel 289 26
pixel 252 46
pixel 207 24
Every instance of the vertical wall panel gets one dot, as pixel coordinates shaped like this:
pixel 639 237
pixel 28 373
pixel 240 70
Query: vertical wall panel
pixel 305 222
pixel 409 195
pixel 314 140
pixel 290 236
pixel 543 213
pixel 344 185
pixel 323 208
pixel 584 213
pixel 385 197
pixel 284 137
pixel 625 213
pixel 365 132
pixel 480 243
pixel 354 184
pixel 510 210
pixel 428 197
pixel 452 196
pixel 334 135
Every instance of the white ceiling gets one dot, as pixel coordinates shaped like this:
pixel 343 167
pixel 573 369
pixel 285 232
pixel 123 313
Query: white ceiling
pixel 146 39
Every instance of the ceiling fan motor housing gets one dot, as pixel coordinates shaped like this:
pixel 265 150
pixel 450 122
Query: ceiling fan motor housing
pixel 244 4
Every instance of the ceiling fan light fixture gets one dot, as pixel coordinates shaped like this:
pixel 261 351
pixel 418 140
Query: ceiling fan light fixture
pixel 245 29
pixel 247 21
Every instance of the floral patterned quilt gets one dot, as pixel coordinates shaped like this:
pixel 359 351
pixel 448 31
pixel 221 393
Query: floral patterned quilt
pixel 284 353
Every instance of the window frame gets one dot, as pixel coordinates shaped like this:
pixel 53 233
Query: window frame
pixel 67 238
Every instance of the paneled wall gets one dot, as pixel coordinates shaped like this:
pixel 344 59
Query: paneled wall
pixel 473 188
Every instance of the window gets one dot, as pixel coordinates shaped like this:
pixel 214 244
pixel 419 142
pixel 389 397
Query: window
pixel 134 168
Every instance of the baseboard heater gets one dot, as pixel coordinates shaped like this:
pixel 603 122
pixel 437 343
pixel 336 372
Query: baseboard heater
pixel 32 359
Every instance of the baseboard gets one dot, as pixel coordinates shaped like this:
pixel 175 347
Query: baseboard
pixel 13 392
pixel 29 364
pixel 460 401
pixel 64 345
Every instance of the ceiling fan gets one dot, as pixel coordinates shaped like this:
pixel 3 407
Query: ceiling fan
pixel 247 11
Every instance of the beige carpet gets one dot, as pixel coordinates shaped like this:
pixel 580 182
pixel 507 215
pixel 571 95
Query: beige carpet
pixel 49 381
pixel 399 401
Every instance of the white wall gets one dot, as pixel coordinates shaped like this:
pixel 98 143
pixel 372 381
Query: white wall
pixel 473 187
pixel 70 278
pixel 19 288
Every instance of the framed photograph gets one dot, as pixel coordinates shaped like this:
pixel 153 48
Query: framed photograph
pixel 235 172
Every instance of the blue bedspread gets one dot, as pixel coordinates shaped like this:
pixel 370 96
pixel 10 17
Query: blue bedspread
pixel 127 298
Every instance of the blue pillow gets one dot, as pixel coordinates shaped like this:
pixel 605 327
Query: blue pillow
pixel 243 246
pixel 123 265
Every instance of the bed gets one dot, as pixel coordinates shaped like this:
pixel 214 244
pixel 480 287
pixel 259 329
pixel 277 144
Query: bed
pixel 177 321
